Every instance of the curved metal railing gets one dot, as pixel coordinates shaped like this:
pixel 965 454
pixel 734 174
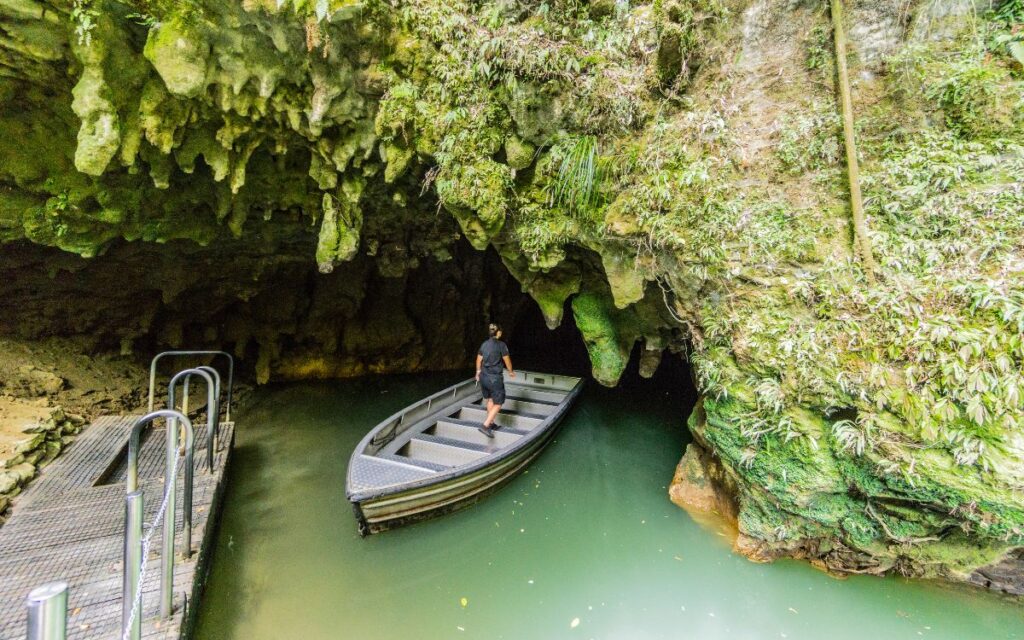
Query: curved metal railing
pixel 212 409
pixel 135 546
pixel 231 375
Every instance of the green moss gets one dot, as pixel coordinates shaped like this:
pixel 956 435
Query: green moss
pixel 179 54
pixel 608 339
pixel 341 225
pixel 477 195
pixel 100 134
pixel 550 289
pixel 519 154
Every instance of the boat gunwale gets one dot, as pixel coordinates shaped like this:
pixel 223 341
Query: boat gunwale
pixel 489 460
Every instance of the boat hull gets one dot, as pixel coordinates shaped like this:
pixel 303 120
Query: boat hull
pixel 423 503
pixel 430 460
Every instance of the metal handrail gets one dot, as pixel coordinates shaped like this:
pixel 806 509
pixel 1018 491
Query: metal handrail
pixel 134 510
pixel 216 406
pixel 211 418
pixel 210 375
pixel 216 383
pixel 231 374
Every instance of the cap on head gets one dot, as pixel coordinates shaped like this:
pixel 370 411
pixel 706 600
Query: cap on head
pixel 493 330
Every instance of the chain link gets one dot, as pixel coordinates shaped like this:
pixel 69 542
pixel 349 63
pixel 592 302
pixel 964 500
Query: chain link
pixel 146 542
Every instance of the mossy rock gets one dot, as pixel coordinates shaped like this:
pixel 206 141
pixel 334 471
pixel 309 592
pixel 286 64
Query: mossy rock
pixel 179 53
pixel 519 154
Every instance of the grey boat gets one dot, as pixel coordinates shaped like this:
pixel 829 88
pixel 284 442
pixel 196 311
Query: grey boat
pixel 429 459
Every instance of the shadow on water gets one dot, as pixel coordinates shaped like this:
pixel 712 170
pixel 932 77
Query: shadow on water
pixel 585 543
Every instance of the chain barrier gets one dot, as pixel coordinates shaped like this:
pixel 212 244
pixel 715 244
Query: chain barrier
pixel 146 542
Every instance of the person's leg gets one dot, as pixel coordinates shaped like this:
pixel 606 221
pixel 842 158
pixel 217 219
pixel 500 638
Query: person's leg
pixel 497 399
pixel 488 393
pixel 492 413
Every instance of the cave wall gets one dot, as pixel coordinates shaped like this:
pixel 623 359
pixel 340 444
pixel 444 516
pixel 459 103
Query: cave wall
pixel 264 300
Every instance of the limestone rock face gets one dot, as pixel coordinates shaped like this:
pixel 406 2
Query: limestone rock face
pixel 696 484
pixel 31 435
pixel 100 135
pixel 1005 575
pixel 341 225
pixel 179 56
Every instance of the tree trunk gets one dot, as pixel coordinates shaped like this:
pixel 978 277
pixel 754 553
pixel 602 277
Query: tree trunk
pixel 861 241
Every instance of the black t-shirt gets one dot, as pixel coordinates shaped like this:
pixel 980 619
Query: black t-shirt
pixel 493 350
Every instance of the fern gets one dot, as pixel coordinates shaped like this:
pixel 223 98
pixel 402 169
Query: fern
pixel 1010 12
pixel 579 176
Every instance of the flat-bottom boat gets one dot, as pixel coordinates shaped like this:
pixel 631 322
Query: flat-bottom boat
pixel 430 458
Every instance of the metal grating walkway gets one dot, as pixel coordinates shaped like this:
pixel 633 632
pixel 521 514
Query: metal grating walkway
pixel 68 527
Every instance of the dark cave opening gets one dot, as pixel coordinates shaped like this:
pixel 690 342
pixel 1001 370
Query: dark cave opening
pixel 270 307
pixel 535 347
pixel 562 350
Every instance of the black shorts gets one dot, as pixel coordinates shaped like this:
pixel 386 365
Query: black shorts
pixel 493 386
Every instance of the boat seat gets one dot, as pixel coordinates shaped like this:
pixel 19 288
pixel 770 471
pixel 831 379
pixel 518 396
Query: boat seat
pixel 534 395
pixel 433 450
pixel 453 442
pixel 515 405
pixel 527 398
pixel 423 464
pixel 505 418
pixel 469 424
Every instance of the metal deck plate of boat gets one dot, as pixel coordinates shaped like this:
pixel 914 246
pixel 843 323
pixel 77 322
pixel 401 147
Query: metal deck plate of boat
pixel 430 458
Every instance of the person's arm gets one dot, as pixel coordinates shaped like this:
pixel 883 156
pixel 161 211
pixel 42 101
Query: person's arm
pixel 508 365
pixel 479 363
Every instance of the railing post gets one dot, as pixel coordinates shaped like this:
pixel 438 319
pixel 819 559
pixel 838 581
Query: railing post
pixel 132 564
pixel 167 558
pixel 133 513
pixel 213 413
pixel 211 420
pixel 48 612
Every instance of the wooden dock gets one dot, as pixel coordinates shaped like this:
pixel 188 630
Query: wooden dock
pixel 69 525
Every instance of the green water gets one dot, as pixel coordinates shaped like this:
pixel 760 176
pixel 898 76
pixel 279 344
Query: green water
pixel 588 533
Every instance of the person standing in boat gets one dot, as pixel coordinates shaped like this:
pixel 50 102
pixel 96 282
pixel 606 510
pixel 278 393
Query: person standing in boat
pixel 492 355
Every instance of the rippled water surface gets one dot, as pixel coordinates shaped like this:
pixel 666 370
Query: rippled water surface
pixel 587 537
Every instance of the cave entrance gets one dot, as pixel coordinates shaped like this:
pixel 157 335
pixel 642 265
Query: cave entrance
pixel 537 348
pixel 562 350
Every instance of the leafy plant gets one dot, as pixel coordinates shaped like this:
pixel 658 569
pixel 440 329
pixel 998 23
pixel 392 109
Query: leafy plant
pixel 84 17
pixel 851 436
pixel 1009 12
pixel 810 141
pixel 144 19
pixel 818 47
pixel 579 176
